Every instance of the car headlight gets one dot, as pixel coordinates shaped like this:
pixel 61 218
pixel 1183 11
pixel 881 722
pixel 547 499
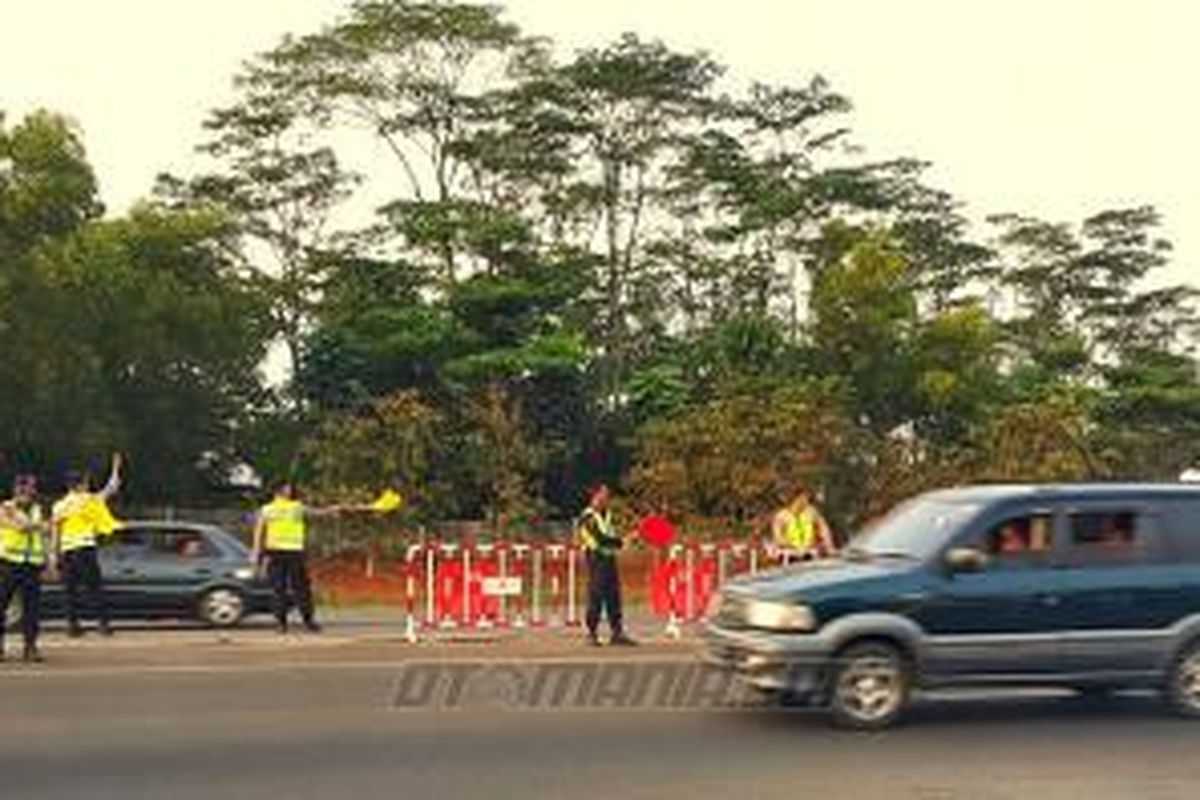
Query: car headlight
pixel 777 616
pixel 244 573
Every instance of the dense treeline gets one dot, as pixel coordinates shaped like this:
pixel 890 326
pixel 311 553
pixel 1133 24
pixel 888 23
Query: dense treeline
pixel 500 273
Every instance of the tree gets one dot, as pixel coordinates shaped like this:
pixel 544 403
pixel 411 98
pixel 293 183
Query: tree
pixel 391 441
pixel 283 192
pixel 407 74
pixel 739 456
pixel 864 317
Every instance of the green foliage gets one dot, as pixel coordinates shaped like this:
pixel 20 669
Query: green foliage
pixel 740 455
pixel 138 333
pixel 614 264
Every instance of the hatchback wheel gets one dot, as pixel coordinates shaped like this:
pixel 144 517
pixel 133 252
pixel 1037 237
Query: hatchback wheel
pixel 1183 684
pixel 869 686
pixel 222 608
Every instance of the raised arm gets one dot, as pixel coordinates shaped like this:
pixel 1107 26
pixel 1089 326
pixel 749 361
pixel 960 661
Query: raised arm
pixel 114 478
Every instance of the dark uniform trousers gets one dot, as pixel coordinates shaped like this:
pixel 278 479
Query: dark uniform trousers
pixel 25 580
pixel 81 571
pixel 287 570
pixel 604 592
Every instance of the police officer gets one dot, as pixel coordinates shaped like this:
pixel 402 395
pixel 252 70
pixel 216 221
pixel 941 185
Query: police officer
pixel 281 536
pixel 22 559
pixel 601 542
pixel 799 530
pixel 77 527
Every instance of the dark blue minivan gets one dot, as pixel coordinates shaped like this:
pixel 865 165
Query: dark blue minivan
pixel 1094 587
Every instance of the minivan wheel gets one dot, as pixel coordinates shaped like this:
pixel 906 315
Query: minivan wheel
pixel 869 686
pixel 1183 683
pixel 222 608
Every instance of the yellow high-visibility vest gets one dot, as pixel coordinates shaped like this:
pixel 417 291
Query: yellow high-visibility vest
pixel 19 546
pixel 82 517
pixel 285 528
pixel 800 532
pixel 597 533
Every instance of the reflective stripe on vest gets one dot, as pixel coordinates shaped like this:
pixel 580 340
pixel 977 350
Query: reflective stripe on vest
pixel 23 546
pixel 284 524
pixel 800 533
pixel 603 522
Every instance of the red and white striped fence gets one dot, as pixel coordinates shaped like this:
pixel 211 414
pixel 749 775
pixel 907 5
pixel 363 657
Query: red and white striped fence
pixel 480 586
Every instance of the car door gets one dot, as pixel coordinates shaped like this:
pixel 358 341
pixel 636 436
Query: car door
pixel 122 557
pixel 999 621
pixel 176 563
pixel 1119 588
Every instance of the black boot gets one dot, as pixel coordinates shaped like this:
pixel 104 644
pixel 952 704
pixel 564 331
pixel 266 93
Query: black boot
pixel 32 655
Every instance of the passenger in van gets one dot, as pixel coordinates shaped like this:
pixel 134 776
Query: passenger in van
pixel 1012 538
pixel 1116 531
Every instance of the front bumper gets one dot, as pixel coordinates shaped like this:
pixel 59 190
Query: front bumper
pixel 767 660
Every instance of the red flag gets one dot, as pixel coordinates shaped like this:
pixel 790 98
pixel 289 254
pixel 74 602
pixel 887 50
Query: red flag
pixel 657 531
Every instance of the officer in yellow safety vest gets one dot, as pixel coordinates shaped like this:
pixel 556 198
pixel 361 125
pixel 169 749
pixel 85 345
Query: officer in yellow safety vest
pixel 22 559
pixel 799 531
pixel 80 519
pixel 601 542
pixel 281 536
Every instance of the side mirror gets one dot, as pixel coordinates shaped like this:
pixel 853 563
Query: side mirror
pixel 966 559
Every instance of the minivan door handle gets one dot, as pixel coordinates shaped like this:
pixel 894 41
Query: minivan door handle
pixel 1051 600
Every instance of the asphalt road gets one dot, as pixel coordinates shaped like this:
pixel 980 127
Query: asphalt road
pixel 315 719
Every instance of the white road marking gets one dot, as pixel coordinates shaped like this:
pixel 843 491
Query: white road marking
pixel 48 671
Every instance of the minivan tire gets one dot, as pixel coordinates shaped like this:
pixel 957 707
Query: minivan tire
pixel 869 686
pixel 1182 690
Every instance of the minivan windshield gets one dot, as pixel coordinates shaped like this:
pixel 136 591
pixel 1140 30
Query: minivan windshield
pixel 916 529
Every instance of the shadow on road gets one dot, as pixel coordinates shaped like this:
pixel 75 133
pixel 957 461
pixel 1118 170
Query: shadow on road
pixel 996 711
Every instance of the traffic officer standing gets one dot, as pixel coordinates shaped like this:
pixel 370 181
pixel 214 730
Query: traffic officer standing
pixel 77 526
pixel 281 535
pixel 22 559
pixel 799 530
pixel 601 543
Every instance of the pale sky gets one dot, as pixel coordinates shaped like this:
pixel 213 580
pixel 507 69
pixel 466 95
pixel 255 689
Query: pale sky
pixel 1056 108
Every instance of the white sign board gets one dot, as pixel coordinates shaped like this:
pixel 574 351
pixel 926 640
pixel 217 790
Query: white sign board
pixel 496 587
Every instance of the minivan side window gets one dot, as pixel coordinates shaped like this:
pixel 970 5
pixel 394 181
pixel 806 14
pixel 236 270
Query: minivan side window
pixel 1181 526
pixel 1107 537
pixel 1020 541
